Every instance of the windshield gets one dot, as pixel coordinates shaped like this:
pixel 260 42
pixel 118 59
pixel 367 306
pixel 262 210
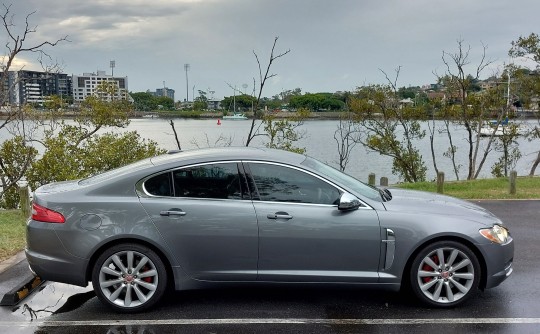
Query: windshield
pixel 342 178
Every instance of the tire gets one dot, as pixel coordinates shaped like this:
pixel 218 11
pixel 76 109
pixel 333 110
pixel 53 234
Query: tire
pixel 448 282
pixel 129 278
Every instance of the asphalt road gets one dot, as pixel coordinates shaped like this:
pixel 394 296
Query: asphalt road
pixel 513 307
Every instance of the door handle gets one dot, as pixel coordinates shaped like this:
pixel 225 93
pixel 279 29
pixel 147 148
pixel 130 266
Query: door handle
pixel 172 213
pixel 279 215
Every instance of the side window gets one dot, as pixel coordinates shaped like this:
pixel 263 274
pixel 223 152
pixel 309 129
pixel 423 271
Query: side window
pixel 220 181
pixel 159 185
pixel 283 184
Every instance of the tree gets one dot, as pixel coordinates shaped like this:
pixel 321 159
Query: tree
pixel 390 128
pixel 16 154
pixel 241 102
pixel 201 101
pixel 253 130
pixel 283 133
pixel 529 47
pixel 144 101
pixel 468 109
pixel 347 135
pixel 76 150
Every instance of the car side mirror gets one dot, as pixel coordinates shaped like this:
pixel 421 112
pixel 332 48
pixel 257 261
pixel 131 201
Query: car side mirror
pixel 348 202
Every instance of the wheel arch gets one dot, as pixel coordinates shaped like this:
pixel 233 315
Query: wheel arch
pixel 115 242
pixel 483 267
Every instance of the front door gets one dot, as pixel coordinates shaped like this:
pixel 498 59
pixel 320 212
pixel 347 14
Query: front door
pixel 304 237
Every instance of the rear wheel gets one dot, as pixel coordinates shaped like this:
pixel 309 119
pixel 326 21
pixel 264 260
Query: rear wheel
pixel 129 277
pixel 445 274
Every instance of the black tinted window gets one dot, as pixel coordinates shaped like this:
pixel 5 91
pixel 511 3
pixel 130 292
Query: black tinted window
pixel 208 181
pixel 282 184
pixel 159 185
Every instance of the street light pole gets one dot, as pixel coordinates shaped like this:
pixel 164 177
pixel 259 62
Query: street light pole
pixel 186 68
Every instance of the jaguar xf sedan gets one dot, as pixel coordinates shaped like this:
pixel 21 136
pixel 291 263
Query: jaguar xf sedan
pixel 228 216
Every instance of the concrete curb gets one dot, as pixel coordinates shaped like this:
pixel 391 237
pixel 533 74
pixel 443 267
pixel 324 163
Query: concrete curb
pixel 16 280
pixel 6 264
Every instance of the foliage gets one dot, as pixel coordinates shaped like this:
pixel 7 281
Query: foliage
pixel 283 133
pixel 17 156
pixel 384 122
pixel 65 160
pixel 145 101
pixel 201 101
pixel 316 102
pixel 242 102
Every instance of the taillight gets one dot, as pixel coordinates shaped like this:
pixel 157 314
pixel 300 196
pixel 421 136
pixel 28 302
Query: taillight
pixel 45 215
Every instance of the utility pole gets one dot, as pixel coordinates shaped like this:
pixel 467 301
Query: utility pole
pixel 186 68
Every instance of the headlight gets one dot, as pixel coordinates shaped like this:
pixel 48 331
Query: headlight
pixel 497 234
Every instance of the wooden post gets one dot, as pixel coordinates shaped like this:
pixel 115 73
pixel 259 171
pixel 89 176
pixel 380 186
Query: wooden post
pixel 513 177
pixel 384 181
pixel 371 179
pixel 24 196
pixel 440 182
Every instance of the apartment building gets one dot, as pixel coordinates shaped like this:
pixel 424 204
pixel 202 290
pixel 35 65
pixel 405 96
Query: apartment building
pixel 34 87
pixel 88 84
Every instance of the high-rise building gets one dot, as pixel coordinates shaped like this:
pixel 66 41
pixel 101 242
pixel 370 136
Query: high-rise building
pixel 88 84
pixel 34 87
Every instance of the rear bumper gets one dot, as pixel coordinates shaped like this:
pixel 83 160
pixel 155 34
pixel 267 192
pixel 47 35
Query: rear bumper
pixel 55 269
pixel 48 258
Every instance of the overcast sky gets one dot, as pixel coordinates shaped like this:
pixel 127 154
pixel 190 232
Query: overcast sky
pixel 334 45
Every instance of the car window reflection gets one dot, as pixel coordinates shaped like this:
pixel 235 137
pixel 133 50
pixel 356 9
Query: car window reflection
pixel 282 184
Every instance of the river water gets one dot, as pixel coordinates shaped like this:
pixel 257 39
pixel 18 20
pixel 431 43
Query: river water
pixel 320 144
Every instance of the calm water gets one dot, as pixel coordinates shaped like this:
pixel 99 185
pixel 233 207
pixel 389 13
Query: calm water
pixel 319 143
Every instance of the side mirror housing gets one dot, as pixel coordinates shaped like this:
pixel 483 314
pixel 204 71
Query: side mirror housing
pixel 348 202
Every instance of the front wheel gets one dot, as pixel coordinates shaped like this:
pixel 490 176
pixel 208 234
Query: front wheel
pixel 445 274
pixel 129 278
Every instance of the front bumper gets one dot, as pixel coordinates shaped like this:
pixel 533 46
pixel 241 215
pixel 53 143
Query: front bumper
pixel 499 263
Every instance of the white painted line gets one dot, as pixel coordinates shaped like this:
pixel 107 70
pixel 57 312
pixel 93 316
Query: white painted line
pixel 45 323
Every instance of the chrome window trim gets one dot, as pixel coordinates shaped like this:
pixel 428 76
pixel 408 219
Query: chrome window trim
pixel 364 206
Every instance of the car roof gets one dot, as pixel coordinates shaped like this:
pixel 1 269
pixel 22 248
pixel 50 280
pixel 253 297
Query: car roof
pixel 229 153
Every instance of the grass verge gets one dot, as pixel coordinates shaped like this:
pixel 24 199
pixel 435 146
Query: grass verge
pixel 12 233
pixel 526 188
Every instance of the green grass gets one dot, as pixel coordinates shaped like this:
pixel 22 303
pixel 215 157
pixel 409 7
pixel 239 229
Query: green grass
pixel 526 188
pixel 12 233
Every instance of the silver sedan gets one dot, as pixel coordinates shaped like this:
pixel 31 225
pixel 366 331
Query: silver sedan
pixel 229 216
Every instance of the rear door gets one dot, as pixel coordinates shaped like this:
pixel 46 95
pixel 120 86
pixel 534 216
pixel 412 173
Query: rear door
pixel 207 219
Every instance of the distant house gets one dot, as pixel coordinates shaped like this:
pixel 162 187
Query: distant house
pixel 214 104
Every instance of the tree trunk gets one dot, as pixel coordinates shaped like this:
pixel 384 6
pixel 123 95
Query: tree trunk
pixel 535 164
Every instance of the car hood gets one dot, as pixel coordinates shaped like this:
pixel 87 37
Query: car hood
pixel 429 203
